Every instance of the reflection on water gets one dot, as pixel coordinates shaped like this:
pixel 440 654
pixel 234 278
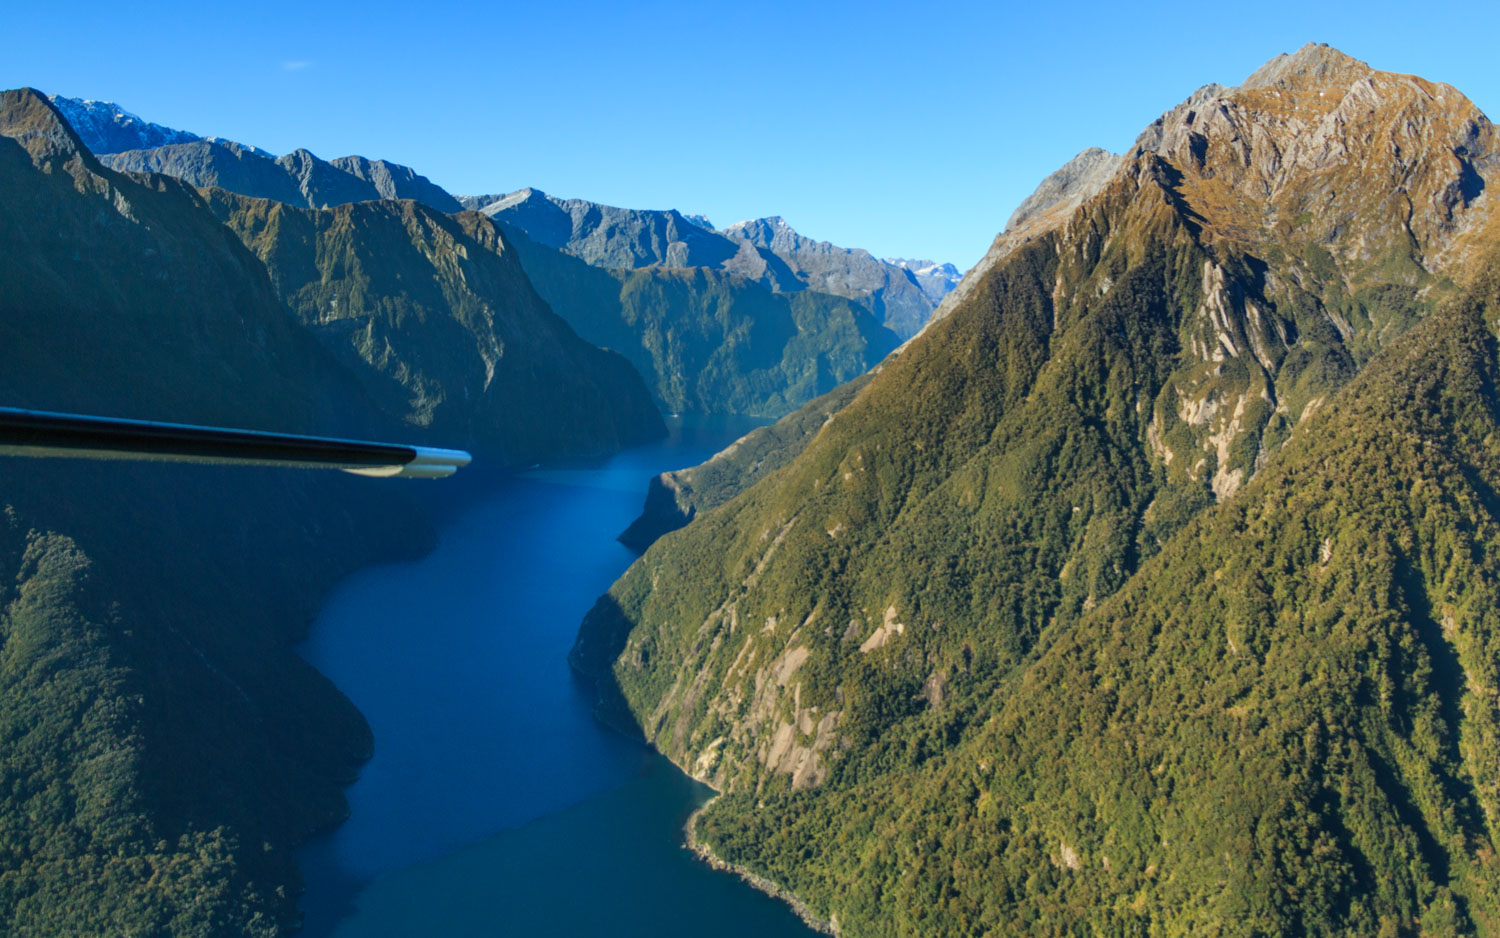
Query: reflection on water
pixel 459 662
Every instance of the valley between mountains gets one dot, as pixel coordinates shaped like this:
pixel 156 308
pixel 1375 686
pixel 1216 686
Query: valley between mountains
pixel 1139 581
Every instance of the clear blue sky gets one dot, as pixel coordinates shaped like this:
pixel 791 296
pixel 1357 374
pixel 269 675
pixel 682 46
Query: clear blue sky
pixel 909 129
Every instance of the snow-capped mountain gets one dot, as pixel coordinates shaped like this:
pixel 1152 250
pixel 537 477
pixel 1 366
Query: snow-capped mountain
pixel 105 127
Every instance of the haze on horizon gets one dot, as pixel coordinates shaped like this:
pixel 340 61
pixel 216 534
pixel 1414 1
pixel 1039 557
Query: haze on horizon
pixel 912 133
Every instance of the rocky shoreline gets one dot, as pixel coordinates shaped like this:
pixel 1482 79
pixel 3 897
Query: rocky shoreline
pixel 823 926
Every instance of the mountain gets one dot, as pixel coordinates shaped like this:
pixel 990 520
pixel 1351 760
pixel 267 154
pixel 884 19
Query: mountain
pixel 1052 202
pixel 127 143
pixel 706 341
pixel 1144 592
pixel 617 238
pixel 436 316
pixel 166 750
pixel 936 279
pixel 704 338
pixel 105 127
pixel 106 273
pixel 394 181
pixel 675 498
pixel 298 178
pixel 891 292
pixel 766 250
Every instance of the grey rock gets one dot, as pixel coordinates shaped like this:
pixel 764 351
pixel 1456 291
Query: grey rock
pixel 202 163
pixel 1059 194
pixel 765 250
pixel 105 127
pixel 606 236
pixel 299 178
pixel 936 279
pixel 394 181
pixel 892 292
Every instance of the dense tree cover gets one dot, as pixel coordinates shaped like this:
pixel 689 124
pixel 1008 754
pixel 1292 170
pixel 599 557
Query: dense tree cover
pixel 163 748
pixel 1286 723
pixel 928 662
pixel 675 498
pixel 437 319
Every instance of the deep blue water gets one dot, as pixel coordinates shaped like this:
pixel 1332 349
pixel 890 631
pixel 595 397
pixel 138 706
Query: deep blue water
pixel 495 804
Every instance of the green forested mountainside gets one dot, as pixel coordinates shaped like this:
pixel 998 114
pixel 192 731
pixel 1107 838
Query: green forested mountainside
pixel 675 498
pixel 707 341
pixel 436 316
pixel 1288 722
pixel 165 748
pixel 107 277
pixel 839 645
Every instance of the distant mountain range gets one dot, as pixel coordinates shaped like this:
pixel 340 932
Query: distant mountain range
pixel 714 322
pixel 901 294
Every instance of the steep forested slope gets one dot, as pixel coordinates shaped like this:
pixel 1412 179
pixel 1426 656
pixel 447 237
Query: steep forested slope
pixel 675 498
pixel 437 317
pixel 882 651
pixel 163 748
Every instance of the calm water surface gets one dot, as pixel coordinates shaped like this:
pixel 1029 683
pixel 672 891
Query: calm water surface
pixel 495 804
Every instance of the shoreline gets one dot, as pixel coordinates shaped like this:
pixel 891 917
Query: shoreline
pixel 755 881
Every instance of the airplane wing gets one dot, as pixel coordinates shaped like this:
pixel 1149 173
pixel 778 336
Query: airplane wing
pixel 41 433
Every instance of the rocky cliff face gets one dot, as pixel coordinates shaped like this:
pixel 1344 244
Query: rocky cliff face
pixel 765 250
pixel 707 341
pixel 606 236
pixel 892 292
pixel 394 181
pixel 936 279
pixel 968 538
pixel 105 127
pixel 298 178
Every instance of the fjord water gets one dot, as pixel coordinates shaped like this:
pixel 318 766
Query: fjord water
pixel 494 803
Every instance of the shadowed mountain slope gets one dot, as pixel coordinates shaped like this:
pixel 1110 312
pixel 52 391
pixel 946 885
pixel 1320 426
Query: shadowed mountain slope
pixel 166 750
pixel 437 317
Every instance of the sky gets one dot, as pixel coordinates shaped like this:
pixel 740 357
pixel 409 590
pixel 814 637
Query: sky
pixel 911 130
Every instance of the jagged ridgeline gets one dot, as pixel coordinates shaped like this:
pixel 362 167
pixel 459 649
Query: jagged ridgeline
pixel 745 321
pixel 1147 591
pixel 707 341
pixel 437 317
pixel 900 293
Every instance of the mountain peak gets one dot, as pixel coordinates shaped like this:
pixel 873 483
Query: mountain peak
pixel 1316 63
pixel 34 121
pixel 105 127
pixel 1075 181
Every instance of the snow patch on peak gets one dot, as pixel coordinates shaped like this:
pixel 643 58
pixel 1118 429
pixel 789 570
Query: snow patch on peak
pixel 105 127
pixel 926 268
